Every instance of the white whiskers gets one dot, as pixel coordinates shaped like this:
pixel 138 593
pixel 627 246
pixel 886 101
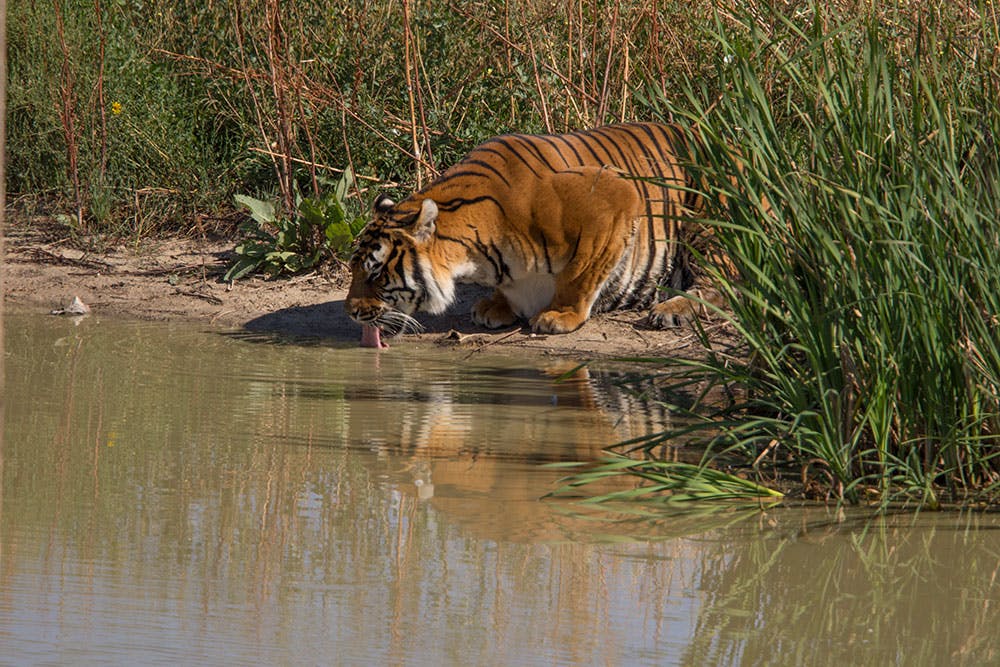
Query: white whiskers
pixel 395 322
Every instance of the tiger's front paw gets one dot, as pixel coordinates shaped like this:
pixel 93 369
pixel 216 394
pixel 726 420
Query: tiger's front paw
pixel 556 321
pixel 493 312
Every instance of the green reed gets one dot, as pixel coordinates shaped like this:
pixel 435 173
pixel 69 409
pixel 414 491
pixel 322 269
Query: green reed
pixel 855 185
pixel 665 481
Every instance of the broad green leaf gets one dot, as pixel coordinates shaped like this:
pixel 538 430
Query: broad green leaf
pixel 344 184
pixel 261 211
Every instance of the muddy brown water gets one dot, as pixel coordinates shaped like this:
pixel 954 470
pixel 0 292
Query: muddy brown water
pixel 172 495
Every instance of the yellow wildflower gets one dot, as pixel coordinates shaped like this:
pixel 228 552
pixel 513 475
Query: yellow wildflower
pixel 116 108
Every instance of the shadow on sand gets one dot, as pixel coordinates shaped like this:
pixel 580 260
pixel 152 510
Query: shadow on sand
pixel 329 320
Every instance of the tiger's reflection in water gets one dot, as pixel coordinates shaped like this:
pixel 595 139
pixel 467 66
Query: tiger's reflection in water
pixel 473 447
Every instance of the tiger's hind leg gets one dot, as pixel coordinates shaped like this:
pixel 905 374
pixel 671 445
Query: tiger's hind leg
pixel 494 311
pixel 683 308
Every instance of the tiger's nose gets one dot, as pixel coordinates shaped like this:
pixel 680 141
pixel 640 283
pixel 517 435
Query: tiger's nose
pixel 353 308
pixel 363 310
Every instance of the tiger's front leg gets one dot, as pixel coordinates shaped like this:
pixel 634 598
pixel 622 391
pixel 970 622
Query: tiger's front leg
pixel 577 288
pixel 494 311
pixel 598 209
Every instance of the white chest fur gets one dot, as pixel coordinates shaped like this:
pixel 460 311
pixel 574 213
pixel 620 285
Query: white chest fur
pixel 530 294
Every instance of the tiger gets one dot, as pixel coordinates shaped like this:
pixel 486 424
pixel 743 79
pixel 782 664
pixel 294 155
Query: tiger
pixel 560 225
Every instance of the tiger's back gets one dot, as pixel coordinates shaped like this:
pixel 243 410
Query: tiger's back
pixel 561 225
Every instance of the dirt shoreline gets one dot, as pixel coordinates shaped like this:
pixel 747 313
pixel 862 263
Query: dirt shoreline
pixel 179 279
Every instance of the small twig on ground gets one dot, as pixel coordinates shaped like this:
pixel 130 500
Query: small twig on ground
pixel 43 255
pixel 490 343
pixel 211 298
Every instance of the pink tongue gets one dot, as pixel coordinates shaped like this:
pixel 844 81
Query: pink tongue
pixel 372 337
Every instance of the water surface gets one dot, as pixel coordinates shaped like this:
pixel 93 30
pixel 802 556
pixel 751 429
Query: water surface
pixel 178 496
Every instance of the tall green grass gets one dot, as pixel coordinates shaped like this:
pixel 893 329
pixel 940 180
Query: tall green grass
pixel 855 187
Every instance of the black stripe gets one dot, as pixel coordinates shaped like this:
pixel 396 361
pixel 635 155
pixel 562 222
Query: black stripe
pixel 584 138
pixel 653 164
pixel 579 158
pixel 628 165
pixel 494 257
pixel 549 139
pixel 486 149
pixel 673 138
pixel 401 219
pixel 545 250
pixel 489 252
pixel 461 173
pixel 665 160
pixel 468 245
pixel 527 140
pixel 421 281
pixel 458 202
pixel 664 148
pixel 393 253
pixel 503 141
pixel 576 249
pixel 690 198
pixel 487 165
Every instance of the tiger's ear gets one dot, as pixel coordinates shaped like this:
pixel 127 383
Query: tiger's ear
pixel 423 228
pixel 382 204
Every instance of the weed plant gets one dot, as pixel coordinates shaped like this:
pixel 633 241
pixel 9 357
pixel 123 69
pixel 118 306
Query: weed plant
pixel 133 117
pixel 275 243
pixel 859 206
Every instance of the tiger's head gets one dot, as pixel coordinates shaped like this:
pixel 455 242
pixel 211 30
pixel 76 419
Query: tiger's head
pixel 393 273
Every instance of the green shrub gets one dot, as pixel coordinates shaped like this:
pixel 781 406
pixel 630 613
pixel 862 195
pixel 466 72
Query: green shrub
pixel 277 244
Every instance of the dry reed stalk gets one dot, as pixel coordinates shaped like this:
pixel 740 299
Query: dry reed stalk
pixel 67 114
pixel 350 158
pixel 246 74
pixel 317 165
pixel 509 43
pixel 210 67
pixel 572 54
pixel 300 84
pixel 533 56
pixel 310 142
pixel 421 73
pixel 408 69
pixel 602 106
pixel 319 95
pixel 3 192
pixel 276 118
pixel 626 75
pixel 538 86
pixel 276 48
pixel 101 42
pixel 510 61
